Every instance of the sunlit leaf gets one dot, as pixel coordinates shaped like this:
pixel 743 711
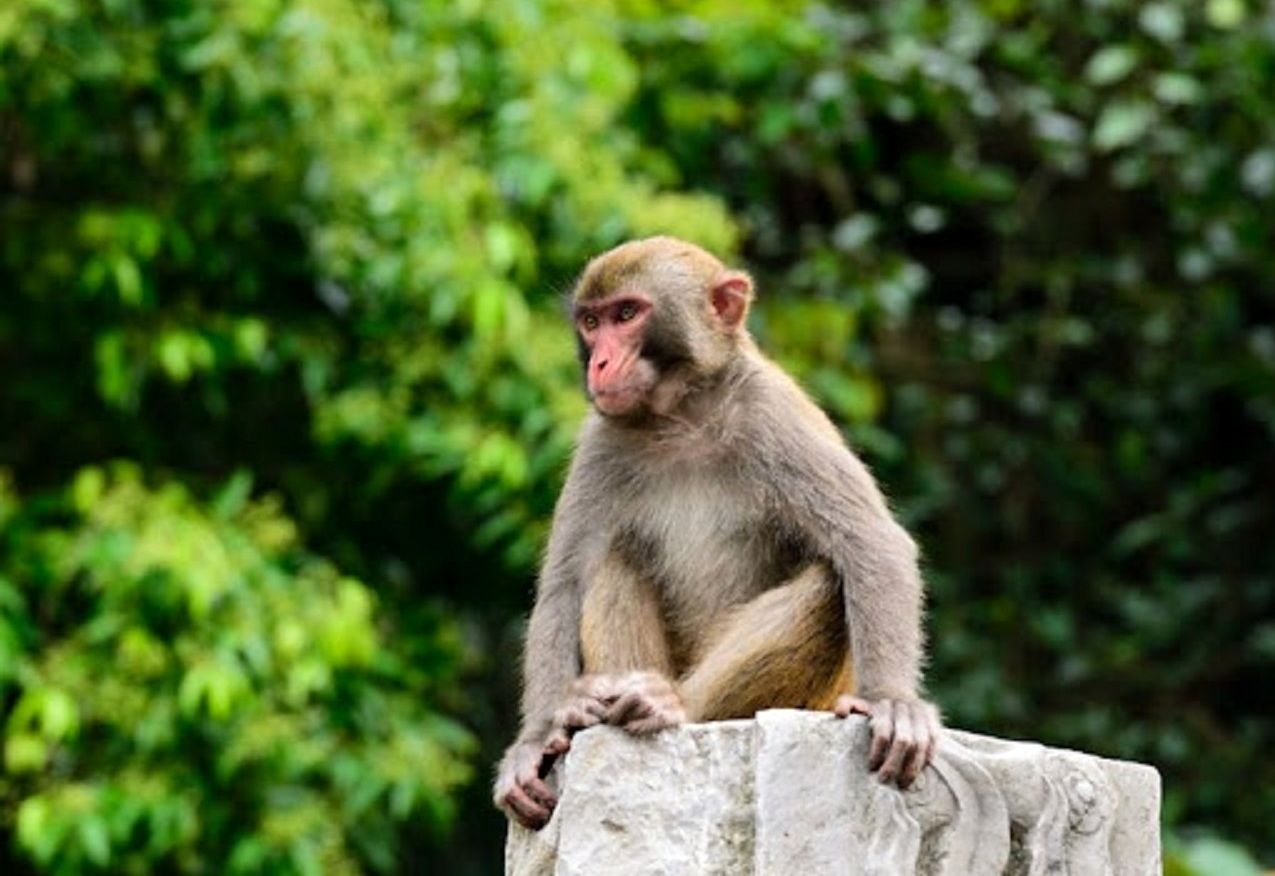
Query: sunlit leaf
pixel 1111 64
pixel 1121 124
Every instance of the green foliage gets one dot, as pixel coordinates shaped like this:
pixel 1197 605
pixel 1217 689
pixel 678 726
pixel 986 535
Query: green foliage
pixel 299 262
pixel 191 690
pixel 361 197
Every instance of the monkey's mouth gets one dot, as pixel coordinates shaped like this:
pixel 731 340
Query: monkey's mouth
pixel 618 401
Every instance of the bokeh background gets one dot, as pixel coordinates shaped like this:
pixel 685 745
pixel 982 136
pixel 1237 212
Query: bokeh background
pixel 286 394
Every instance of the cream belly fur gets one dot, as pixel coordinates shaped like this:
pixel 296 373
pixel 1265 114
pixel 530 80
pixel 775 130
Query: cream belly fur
pixel 706 546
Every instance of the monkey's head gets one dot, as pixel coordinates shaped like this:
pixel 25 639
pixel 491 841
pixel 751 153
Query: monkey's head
pixel 653 315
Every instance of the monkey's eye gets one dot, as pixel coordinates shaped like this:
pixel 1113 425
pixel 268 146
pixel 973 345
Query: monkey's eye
pixel 627 311
pixel 589 321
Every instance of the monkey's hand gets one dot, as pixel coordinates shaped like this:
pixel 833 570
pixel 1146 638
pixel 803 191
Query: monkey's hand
pixel 905 733
pixel 520 790
pixel 588 700
pixel 647 702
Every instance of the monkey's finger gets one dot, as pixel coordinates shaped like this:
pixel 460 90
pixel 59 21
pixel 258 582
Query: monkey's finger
pixel 848 704
pixel 911 768
pixel 915 761
pixel 882 724
pixel 926 730
pixel 650 684
pixel 558 744
pixel 631 706
pixel 579 717
pixel 635 710
pixel 541 793
pixel 648 711
pixel 934 731
pixel 618 711
pixel 647 726
pixel 597 707
pixel 932 748
pixel 901 747
pixel 528 812
pixel 669 714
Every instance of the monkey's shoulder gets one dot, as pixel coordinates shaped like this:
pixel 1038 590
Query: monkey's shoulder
pixel 773 400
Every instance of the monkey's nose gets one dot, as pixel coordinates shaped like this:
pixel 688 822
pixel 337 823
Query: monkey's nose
pixel 601 363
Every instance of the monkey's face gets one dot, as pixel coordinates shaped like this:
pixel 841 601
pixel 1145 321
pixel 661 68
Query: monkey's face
pixel 613 336
pixel 653 316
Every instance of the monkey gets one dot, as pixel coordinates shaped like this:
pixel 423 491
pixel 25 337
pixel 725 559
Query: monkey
pixel 716 548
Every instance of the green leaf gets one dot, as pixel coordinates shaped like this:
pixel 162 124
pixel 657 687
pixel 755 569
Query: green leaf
pixel 128 279
pixel 1164 21
pixel 175 355
pixel 251 338
pixel 1225 14
pixel 1121 124
pixel 59 717
pixel 25 752
pixel 87 488
pixel 234 495
pixel 38 830
pixel 1177 88
pixel 502 246
pixel 1110 64
pixel 95 840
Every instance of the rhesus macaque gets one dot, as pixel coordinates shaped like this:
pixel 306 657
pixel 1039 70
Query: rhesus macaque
pixel 717 549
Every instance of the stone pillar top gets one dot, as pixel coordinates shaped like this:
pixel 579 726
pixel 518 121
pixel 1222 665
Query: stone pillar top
pixel 789 793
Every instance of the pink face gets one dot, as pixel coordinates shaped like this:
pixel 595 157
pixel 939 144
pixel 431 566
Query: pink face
pixel 619 379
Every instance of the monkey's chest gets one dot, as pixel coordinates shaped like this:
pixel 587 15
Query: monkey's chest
pixel 705 546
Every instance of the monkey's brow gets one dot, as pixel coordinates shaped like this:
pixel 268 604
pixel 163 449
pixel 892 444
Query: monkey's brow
pixel 597 305
pixel 586 307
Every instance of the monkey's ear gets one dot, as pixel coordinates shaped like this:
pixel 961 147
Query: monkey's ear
pixel 731 293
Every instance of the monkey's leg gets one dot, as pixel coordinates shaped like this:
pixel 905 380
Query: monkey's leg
pixel 787 648
pixel 627 666
pixel 622 623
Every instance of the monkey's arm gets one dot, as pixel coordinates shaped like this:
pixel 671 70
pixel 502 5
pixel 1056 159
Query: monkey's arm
pixel 826 492
pixel 829 496
pixel 551 661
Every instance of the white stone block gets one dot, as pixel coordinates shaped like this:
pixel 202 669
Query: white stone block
pixel 790 793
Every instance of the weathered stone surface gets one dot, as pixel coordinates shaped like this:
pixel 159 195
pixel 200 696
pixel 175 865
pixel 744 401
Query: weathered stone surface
pixel 789 793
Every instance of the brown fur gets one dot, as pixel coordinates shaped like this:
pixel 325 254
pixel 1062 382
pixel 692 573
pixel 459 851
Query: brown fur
pixel 617 595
